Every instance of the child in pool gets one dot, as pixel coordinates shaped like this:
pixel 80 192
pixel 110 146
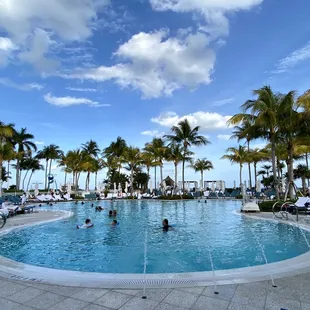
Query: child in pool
pixel 87 224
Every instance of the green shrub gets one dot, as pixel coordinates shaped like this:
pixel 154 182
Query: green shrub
pixel 266 206
pixel 239 196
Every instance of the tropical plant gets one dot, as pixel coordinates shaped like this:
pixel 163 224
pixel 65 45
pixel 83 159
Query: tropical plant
pixel 201 165
pixel 237 155
pixel 148 160
pixel 185 135
pixel 6 154
pixel 22 140
pixel 34 166
pixel 302 172
pixel 132 156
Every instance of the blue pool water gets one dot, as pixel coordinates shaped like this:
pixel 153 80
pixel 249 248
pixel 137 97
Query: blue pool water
pixel 199 228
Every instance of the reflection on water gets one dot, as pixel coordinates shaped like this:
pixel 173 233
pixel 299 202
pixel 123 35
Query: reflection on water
pixel 199 227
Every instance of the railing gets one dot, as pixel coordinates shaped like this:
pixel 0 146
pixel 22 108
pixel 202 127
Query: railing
pixel 2 220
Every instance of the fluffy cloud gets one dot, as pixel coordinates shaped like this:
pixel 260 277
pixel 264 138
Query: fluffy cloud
pixel 31 24
pixel 214 12
pixel 152 133
pixel 222 102
pixel 20 86
pixel 69 101
pixel 6 49
pixel 39 142
pixel 206 120
pixel 157 65
pixel 81 89
pixel 223 137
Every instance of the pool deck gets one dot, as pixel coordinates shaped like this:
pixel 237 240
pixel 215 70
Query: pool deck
pixel 22 293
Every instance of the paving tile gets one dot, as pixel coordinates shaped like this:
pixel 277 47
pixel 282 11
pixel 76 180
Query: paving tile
pixel 235 306
pixel 11 288
pixel 69 304
pixel 226 292
pixel 196 290
pixel 89 294
pixel 7 304
pixel 45 300
pixel 163 306
pixel 96 307
pixel 67 291
pixel 305 306
pixel 139 303
pixel 208 303
pixel 25 295
pixel 276 303
pixel 286 289
pixel 128 292
pixel 155 294
pixel 113 300
pixel 181 298
pixel 251 294
pixel 23 307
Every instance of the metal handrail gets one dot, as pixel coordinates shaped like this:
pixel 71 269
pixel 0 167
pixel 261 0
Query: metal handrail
pixel 2 220
pixel 283 210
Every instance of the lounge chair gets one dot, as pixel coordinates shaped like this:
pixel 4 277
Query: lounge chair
pixel 303 204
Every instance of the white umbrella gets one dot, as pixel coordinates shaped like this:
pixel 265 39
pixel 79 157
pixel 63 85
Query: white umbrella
pixel 126 187
pixel 258 189
pixel 120 187
pixel 36 190
pixel 283 184
pixel 150 186
pixel 234 184
pixel 212 186
pixel 243 190
pixel 114 185
pixel 69 189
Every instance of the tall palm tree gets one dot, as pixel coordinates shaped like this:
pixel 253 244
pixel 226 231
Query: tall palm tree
pixel 185 135
pixel 91 148
pixel 148 160
pixel 157 148
pixel 201 165
pixel 22 140
pixel 49 153
pixel 132 156
pixel 6 153
pixel 116 149
pixel 302 172
pixel 237 155
pixel 97 165
pixel 34 166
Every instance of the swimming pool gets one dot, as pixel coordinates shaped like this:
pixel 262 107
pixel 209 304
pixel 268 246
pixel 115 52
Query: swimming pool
pixel 200 229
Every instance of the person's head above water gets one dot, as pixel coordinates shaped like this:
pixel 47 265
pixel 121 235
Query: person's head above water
pixel 110 212
pixel 114 212
pixel 114 222
pixel 87 221
pixel 165 222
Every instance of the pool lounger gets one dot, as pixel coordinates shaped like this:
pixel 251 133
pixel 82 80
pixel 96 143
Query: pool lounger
pixel 28 209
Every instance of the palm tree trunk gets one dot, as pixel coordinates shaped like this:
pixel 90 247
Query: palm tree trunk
pixel 161 175
pixel 65 178
pixel 17 174
pixel 96 175
pixel 25 179
pixel 290 172
pixel 183 176
pixel 201 180
pixel 29 180
pixel 307 164
pixel 49 172
pixel 87 181
pixel 155 178
pixel 274 167
pixel 175 177
pixel 131 181
pixel 8 180
pixel 303 182
pixel 249 167
pixel 46 165
pixel 240 176
pixel 279 175
pixel 1 178
pixel 255 175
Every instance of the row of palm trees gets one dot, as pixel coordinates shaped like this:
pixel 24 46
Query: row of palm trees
pixel 18 146
pixel 283 121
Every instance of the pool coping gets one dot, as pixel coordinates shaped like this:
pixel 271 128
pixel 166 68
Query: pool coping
pixel 19 271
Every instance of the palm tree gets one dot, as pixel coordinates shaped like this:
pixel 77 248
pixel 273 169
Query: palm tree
pixel 49 153
pixel 132 156
pixel 238 155
pixel 148 160
pixel 157 148
pixel 246 131
pixel 97 165
pixel 34 166
pixel 201 165
pixel 91 148
pixel 116 149
pixel 22 139
pixel 302 172
pixel 63 162
pixel 185 135
pixel 6 153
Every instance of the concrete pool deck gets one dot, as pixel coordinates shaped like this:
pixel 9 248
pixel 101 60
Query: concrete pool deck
pixel 21 289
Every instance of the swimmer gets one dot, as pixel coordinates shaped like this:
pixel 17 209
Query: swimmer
pixel 87 224
pixel 114 212
pixel 82 202
pixel 166 225
pixel 114 223
pixel 92 205
pixel 110 213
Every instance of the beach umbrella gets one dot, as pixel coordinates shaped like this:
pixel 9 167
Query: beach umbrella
pixel 234 184
pixel 212 186
pixel 126 187
pixel 150 186
pixel 258 189
pixel 243 190
pixel 114 186
pixel 120 187
pixel 69 188
pixel 36 190
pixel 283 185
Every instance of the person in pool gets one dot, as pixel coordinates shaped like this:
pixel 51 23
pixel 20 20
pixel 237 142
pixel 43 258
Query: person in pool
pixel 110 213
pixel 87 224
pixel 166 225
pixel 114 213
pixel 114 223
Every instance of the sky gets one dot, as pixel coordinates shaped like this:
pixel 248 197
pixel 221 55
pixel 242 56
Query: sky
pixel 71 71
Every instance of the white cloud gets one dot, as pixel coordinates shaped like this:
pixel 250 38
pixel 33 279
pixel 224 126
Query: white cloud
pixel 20 86
pixel 214 12
pixel 81 89
pixel 222 102
pixel 293 59
pixel 39 142
pixel 31 24
pixel 223 137
pixel 6 49
pixel 206 120
pixel 69 101
pixel 157 65
pixel 152 133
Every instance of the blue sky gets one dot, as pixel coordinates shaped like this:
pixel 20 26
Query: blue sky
pixel 97 69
